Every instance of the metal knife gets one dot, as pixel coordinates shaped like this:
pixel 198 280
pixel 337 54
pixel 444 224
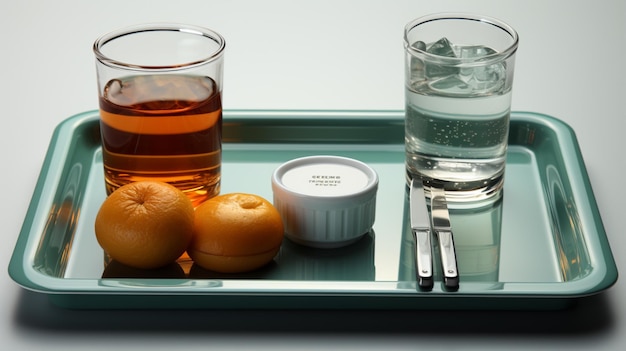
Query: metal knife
pixel 420 226
pixel 441 225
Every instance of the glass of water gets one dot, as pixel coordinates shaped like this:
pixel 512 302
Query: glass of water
pixel 458 80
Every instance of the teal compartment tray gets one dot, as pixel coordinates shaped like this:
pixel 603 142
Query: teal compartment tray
pixel 541 246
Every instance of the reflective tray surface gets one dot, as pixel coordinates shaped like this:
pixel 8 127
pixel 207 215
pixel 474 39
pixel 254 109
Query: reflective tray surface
pixel 541 246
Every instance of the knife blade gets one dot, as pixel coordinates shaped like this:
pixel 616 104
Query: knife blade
pixel 420 226
pixel 440 217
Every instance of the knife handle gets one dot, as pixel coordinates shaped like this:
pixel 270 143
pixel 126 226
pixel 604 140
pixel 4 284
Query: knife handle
pixel 448 260
pixel 424 259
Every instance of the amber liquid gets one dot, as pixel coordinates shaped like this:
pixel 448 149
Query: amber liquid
pixel 163 127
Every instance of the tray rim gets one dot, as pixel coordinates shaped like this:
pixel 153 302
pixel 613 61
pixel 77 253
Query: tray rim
pixel 604 273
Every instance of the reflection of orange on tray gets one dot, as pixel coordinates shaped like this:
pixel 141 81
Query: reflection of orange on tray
pixel 115 269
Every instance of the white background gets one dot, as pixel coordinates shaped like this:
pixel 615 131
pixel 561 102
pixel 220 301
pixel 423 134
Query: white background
pixel 323 54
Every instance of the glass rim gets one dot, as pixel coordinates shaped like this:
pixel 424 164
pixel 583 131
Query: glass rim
pixel 484 60
pixel 101 41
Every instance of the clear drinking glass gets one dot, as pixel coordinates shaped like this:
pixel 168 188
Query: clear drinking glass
pixel 458 80
pixel 160 87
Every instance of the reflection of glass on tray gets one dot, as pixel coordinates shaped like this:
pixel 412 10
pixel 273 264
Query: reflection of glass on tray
pixel 477 231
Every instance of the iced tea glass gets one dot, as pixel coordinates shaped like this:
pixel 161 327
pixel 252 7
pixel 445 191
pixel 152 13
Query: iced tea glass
pixel 160 88
pixel 458 83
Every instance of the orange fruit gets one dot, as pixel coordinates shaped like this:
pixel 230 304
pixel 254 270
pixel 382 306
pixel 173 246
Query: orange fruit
pixel 235 233
pixel 145 224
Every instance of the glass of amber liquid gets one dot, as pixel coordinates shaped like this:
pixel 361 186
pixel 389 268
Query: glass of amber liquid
pixel 160 88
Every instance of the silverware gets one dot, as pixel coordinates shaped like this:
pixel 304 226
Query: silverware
pixel 420 226
pixel 441 226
